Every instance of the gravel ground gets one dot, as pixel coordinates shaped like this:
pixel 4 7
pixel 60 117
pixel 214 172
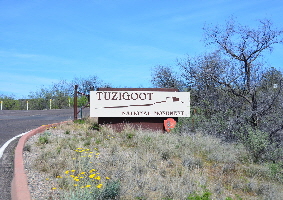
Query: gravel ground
pixel 40 185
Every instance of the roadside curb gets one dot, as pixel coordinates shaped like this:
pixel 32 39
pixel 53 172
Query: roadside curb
pixel 19 185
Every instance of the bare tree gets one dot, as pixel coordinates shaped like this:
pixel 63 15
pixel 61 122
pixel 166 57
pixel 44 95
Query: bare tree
pixel 244 46
pixel 236 93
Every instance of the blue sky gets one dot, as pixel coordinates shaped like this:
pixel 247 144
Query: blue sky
pixel 45 41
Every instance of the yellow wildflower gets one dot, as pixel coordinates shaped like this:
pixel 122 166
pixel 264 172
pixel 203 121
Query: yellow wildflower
pixel 73 170
pixel 99 186
pixel 54 188
pixel 107 177
pixel 88 186
pixel 67 172
pixel 92 175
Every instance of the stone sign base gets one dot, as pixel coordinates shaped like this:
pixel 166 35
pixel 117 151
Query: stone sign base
pixel 118 123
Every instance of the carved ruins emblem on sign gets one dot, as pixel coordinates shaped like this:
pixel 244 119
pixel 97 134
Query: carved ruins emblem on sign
pixel 139 104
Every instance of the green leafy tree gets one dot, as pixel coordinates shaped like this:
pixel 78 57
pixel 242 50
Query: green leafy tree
pixel 9 102
pixel 165 77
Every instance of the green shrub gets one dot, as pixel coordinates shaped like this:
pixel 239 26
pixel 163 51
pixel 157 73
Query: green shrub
pixel 79 121
pixel 276 171
pixel 43 139
pixel 94 126
pixel 205 196
pixel 256 141
pixel 111 191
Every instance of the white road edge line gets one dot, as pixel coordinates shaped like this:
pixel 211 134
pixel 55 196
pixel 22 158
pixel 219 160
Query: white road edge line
pixel 2 149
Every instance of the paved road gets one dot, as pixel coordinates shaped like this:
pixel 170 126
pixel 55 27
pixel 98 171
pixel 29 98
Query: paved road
pixel 13 123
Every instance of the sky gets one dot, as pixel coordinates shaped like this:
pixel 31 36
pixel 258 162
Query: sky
pixel 120 42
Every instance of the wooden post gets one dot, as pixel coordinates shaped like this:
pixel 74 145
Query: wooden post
pixel 76 103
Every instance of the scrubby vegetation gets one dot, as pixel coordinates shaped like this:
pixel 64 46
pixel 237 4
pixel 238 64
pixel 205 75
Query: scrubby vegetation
pixel 55 96
pixel 230 148
pixel 79 162
pixel 235 96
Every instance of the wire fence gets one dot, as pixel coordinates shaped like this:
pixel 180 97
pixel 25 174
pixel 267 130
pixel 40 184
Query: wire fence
pixel 41 103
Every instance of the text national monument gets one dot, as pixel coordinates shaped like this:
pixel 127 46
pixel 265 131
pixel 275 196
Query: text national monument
pixel 146 107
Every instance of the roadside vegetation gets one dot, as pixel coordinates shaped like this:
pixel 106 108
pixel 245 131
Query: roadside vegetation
pixel 230 148
pixel 80 162
pixel 55 96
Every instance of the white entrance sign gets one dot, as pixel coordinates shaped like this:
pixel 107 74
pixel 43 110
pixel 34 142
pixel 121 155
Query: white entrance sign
pixel 139 104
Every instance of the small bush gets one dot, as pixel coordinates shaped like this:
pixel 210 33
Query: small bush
pixel 130 135
pixel 205 196
pixel 43 139
pixel 110 191
pixel 94 126
pixel 79 121
pixel 256 141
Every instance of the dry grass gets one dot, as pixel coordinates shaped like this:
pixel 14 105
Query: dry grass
pixel 148 165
